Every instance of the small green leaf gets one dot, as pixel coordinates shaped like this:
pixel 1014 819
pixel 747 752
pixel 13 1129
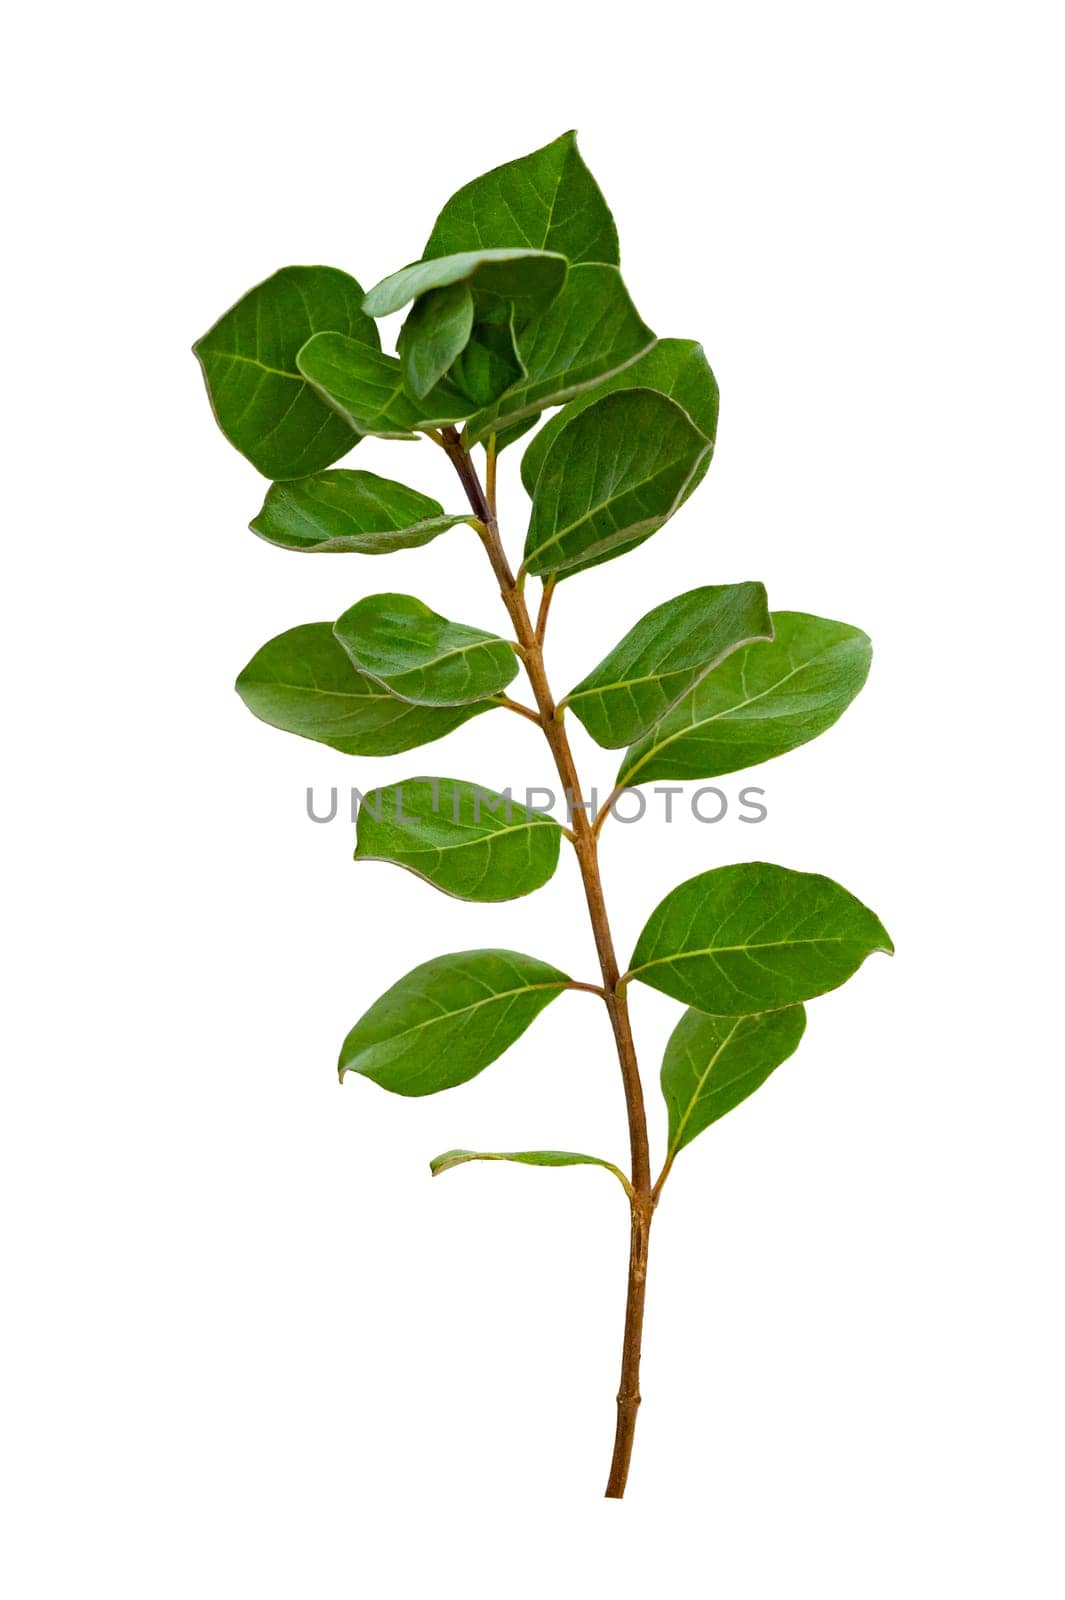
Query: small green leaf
pixel 260 399
pixel 528 1158
pixel 712 1063
pixel 589 330
pixel 469 841
pixel 755 937
pixel 677 368
pixel 450 1018
pixel 355 511
pixel 668 651
pixel 366 387
pixel 548 200
pixel 488 364
pixel 529 278
pixel 303 682
pixel 613 476
pixel 434 336
pixel 759 703
pixel 421 656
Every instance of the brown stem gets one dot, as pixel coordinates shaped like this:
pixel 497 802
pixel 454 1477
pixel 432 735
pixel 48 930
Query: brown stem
pixel 586 848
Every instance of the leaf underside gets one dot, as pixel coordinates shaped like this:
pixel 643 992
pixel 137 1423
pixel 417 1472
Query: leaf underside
pixel 528 1158
pixel 341 510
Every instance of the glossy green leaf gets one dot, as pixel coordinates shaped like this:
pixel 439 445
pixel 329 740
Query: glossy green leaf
pixel 759 703
pixel 261 402
pixel 712 1063
pixel 356 511
pixel 303 682
pixel 677 368
pixel 670 649
pixel 613 476
pixel 547 200
pixel 590 330
pixel 528 1158
pixel 367 387
pixel 755 937
pixel 469 841
pixel 421 656
pixel 434 335
pixel 449 1019
pixel 528 277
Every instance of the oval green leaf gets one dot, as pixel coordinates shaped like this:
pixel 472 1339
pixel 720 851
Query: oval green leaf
pixel 354 511
pixel 762 701
pixel 677 368
pixel 590 330
pixel 613 476
pixel 548 200
pixel 755 937
pixel 712 1063
pixel 367 388
pixel 668 651
pixel 528 278
pixel 303 682
pixel 469 841
pixel 259 396
pixel 421 656
pixel 434 335
pixel 528 1158
pixel 447 1020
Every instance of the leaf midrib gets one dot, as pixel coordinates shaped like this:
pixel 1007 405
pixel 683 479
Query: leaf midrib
pixel 446 1016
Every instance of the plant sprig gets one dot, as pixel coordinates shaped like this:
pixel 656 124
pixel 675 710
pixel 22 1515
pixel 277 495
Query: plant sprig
pixel 518 307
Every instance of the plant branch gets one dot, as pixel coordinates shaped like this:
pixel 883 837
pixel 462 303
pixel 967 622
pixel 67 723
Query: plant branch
pixel 515 705
pixel 614 996
pixel 604 810
pixel 545 606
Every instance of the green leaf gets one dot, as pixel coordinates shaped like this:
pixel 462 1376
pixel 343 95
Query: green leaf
pixel 677 368
pixel 712 1063
pixel 613 476
pixel 421 656
pixel 469 841
pixel 449 1019
pixel 366 387
pixel 670 649
pixel 548 200
pixel 489 364
pixel 434 336
pixel 528 1158
pixel 759 703
pixel 344 510
pixel 303 682
pixel 260 399
pixel 590 330
pixel 529 277
pixel 755 937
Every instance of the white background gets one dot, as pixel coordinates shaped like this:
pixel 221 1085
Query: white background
pixel 251 1348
